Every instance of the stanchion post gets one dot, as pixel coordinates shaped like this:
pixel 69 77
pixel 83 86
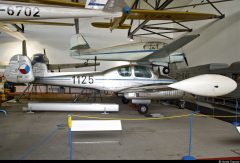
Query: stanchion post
pixel 236 123
pixel 70 135
pixel 189 157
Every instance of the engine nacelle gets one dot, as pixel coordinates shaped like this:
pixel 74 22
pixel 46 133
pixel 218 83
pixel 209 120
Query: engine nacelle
pixel 19 70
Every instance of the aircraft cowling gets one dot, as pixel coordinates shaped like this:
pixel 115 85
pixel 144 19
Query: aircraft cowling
pixel 19 70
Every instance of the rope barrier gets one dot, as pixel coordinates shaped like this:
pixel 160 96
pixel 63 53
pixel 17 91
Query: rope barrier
pixel 147 119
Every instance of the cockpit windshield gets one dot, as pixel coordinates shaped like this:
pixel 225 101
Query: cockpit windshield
pixel 142 72
pixel 125 71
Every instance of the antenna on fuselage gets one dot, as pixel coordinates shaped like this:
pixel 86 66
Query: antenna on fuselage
pixel 24 48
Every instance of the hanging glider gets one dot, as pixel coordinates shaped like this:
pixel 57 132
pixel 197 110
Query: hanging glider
pixel 136 14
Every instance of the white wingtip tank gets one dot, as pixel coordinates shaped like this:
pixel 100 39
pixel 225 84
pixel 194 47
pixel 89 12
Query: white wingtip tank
pixel 211 85
pixel 19 70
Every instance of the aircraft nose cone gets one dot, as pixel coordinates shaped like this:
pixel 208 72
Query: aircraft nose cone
pixel 207 85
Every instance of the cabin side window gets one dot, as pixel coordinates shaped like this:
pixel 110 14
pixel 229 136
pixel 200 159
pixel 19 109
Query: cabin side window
pixel 125 71
pixel 142 72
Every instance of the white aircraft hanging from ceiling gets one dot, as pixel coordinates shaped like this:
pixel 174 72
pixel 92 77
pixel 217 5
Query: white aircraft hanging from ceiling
pixel 115 10
pixel 143 53
pixel 134 82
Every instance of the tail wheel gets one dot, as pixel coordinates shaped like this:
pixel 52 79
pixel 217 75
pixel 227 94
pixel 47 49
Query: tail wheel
pixel 125 101
pixel 143 109
pixel 166 70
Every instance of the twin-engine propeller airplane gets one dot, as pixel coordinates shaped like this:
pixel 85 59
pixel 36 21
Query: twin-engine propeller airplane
pixel 42 58
pixel 134 82
pixel 143 53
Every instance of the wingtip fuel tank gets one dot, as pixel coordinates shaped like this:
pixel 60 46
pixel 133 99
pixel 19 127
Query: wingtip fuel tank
pixel 211 85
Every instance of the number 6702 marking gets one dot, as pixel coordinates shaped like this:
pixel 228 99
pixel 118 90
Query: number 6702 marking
pixel 27 11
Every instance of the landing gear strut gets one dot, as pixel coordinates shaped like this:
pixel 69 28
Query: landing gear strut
pixel 181 104
pixel 125 101
pixel 166 70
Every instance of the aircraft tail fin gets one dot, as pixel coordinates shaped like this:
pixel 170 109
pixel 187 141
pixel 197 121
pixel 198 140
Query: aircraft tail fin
pixel 78 42
pixel 96 4
pixel 106 5
pixel 19 70
pixel 40 70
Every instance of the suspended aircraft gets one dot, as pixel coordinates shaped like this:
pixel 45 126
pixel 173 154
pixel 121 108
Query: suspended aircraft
pixel 42 58
pixel 115 10
pixel 134 82
pixel 143 53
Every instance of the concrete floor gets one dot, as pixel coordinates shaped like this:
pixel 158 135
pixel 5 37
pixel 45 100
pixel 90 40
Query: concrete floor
pixel 44 135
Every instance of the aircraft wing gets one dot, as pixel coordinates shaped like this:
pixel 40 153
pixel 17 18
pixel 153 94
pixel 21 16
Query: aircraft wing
pixel 3 65
pixel 172 47
pixel 52 2
pixel 118 23
pixel 37 23
pixel 11 32
pixel 75 65
pixel 168 15
pixel 19 35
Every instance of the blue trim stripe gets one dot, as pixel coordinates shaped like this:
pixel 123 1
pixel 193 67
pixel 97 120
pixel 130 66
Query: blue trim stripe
pixel 122 52
pixel 96 4
pixel 170 81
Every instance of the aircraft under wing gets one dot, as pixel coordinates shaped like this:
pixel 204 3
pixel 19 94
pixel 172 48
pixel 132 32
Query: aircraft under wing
pixel 52 2
pixel 153 15
pixel 75 65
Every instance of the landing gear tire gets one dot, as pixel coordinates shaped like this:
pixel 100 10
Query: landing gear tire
pixel 125 101
pixel 181 104
pixel 143 109
pixel 166 70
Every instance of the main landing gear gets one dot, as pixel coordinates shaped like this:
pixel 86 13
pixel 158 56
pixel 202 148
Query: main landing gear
pixel 125 101
pixel 142 109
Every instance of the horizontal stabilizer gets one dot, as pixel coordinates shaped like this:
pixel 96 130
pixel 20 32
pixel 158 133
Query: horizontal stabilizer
pixel 78 42
pixel 172 47
pixel 108 25
pixel 206 85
